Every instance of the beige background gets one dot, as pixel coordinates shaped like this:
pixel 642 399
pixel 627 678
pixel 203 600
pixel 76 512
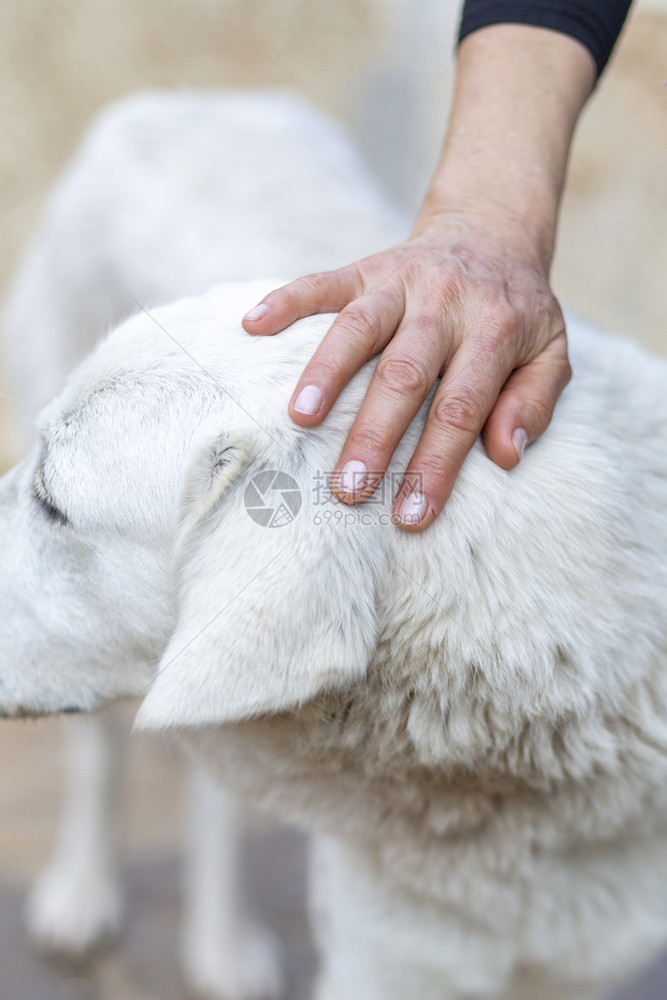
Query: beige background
pixel 382 66
pixel 386 75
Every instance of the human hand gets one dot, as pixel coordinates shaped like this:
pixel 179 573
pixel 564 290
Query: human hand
pixel 467 299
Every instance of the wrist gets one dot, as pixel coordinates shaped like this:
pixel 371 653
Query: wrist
pixel 519 93
pixel 465 217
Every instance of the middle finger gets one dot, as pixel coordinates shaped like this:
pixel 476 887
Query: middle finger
pixel 405 374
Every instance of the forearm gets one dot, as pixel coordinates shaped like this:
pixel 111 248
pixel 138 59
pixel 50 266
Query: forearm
pixel 519 92
pixel 465 304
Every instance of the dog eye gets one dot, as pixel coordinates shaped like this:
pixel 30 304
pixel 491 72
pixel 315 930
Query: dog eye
pixel 43 498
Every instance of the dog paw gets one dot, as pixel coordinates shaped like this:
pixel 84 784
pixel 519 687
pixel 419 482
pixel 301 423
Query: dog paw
pixel 246 966
pixel 68 913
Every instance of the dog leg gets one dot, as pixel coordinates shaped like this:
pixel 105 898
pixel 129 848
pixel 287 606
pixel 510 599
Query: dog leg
pixel 76 902
pixel 223 957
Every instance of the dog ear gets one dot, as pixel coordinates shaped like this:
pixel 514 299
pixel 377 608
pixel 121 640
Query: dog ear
pixel 276 601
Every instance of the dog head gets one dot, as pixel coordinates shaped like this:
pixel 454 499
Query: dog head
pixel 170 524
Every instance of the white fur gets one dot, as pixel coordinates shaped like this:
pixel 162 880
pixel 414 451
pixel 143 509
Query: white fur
pixel 472 718
pixel 167 193
pixel 171 193
pixel 497 763
pixel 221 954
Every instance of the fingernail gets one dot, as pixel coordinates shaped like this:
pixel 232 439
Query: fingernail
pixel 412 508
pixel 352 477
pixel 257 313
pixel 309 400
pixel 519 440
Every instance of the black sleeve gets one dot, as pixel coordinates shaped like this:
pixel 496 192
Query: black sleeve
pixel 595 23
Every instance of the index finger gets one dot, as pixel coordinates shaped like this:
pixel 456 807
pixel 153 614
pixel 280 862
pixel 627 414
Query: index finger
pixel 326 291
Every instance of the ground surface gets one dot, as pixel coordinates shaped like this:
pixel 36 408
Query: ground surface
pixel 143 965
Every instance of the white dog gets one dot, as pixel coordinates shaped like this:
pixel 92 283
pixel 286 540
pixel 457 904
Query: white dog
pixel 473 719
pixel 167 194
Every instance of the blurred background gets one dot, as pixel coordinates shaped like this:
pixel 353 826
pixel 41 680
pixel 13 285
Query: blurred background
pixel 383 67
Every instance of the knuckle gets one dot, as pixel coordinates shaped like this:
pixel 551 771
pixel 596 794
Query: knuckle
pixel 368 440
pixel 361 327
pixel 433 468
pixel 426 323
pixel 500 324
pixel 564 368
pixel 308 287
pixel 324 370
pixel 459 409
pixel 501 315
pixel 492 342
pixel 539 409
pixel 508 316
pixel 404 375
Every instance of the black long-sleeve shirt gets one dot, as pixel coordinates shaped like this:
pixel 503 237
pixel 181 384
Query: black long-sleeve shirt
pixel 595 23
